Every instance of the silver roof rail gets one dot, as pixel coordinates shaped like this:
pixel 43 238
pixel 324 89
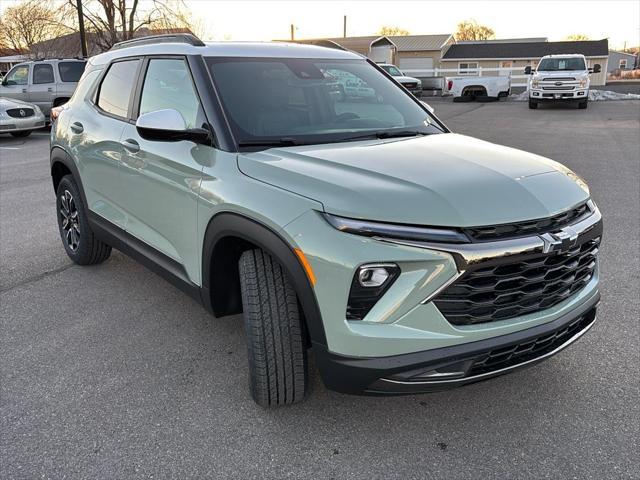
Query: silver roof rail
pixel 153 39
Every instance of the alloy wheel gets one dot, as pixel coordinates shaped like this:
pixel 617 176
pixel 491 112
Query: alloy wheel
pixel 69 220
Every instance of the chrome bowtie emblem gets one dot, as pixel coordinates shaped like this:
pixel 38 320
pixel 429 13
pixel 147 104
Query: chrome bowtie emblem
pixel 559 241
pixel 22 113
pixel 558 84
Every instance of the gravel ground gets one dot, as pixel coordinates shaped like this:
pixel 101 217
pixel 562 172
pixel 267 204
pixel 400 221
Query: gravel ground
pixel 109 372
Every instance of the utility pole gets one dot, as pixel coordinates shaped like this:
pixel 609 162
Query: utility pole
pixel 344 27
pixel 83 39
pixel 292 30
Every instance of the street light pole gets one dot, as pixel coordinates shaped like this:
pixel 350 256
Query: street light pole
pixel 83 39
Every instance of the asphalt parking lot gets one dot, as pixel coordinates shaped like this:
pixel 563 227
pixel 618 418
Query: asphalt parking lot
pixel 110 372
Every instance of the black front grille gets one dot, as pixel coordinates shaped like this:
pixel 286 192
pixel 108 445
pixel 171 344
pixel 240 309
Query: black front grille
pixel 488 294
pixel 20 112
pixel 511 355
pixel 531 227
pixel 410 85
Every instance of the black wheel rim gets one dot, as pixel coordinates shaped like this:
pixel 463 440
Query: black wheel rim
pixel 69 221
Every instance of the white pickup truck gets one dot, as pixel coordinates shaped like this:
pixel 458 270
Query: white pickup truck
pixel 560 78
pixel 481 89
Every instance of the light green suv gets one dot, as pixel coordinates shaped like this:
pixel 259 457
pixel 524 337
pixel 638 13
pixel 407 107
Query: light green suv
pixel 350 224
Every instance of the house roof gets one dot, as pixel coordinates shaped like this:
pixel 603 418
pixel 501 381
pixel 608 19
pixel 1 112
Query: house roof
pixel 404 43
pixel 589 48
pixel 413 43
pixel 623 53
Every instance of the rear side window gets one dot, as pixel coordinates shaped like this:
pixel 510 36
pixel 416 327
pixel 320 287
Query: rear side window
pixel 168 85
pixel 117 88
pixel 85 86
pixel 43 73
pixel 71 71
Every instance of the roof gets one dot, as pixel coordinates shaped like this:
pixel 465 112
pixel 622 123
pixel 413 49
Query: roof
pixel 630 54
pixel 228 49
pixel 589 48
pixel 414 43
pixel 506 40
pixel 404 43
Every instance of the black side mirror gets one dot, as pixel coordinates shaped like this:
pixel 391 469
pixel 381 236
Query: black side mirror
pixel 527 70
pixel 596 68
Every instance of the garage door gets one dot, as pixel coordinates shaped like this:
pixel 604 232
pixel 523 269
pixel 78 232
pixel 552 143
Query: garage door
pixel 381 54
pixel 410 65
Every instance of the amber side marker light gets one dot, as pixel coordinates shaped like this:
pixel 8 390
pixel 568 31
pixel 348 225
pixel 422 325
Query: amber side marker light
pixel 306 265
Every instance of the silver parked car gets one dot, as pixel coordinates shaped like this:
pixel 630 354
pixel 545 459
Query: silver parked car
pixel 19 118
pixel 45 83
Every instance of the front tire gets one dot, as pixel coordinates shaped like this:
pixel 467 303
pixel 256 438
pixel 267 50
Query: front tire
pixel 77 237
pixel 21 133
pixel 276 351
pixel 583 105
pixel 533 105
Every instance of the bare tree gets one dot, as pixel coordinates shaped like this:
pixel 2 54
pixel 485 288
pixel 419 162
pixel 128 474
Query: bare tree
pixel 25 25
pixel 576 37
pixel 390 30
pixel 113 21
pixel 471 30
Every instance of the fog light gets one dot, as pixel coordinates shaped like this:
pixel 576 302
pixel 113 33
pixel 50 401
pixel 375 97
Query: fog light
pixel 369 284
pixel 372 276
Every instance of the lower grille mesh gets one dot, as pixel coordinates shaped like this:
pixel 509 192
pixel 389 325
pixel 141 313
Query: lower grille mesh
pixel 505 291
pixel 515 354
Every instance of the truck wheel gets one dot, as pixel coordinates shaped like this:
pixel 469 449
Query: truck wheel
pixel 533 104
pixel 21 133
pixel 485 99
pixel 77 238
pixel 276 352
pixel 583 105
pixel 464 99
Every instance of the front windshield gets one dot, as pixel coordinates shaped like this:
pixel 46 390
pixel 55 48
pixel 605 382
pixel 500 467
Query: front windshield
pixel 304 101
pixel 560 64
pixel 391 70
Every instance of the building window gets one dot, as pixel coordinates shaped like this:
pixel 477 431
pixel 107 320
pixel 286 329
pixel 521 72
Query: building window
pixel 468 68
pixel 623 64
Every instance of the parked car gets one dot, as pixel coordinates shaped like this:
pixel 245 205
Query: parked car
pixel 19 118
pixel 45 83
pixel 414 85
pixel 481 89
pixel 407 257
pixel 560 78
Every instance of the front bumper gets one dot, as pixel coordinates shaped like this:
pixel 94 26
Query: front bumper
pixel 458 365
pixel 11 124
pixel 541 95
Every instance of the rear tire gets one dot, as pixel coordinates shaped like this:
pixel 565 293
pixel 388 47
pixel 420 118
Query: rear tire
pixel 464 99
pixel 77 237
pixel 21 133
pixel 583 105
pixel 485 99
pixel 533 105
pixel 276 351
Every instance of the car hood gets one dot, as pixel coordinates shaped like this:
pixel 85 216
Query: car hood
pixel 404 79
pixel 562 74
pixel 439 180
pixel 6 103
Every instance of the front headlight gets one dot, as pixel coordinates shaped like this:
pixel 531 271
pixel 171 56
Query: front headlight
pixel 392 230
pixel 584 82
pixel 534 83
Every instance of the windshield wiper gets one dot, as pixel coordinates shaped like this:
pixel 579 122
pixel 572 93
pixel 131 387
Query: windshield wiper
pixel 381 135
pixel 277 142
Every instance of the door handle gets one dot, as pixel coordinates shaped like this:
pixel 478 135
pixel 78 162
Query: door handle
pixel 76 127
pixel 131 145
pixel 24 90
pixel 49 89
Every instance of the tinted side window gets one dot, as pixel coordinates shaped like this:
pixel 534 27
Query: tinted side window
pixel 84 86
pixel 168 85
pixel 18 76
pixel 117 88
pixel 71 71
pixel 43 73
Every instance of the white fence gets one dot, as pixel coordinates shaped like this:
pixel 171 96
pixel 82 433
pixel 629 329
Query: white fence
pixel 517 80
